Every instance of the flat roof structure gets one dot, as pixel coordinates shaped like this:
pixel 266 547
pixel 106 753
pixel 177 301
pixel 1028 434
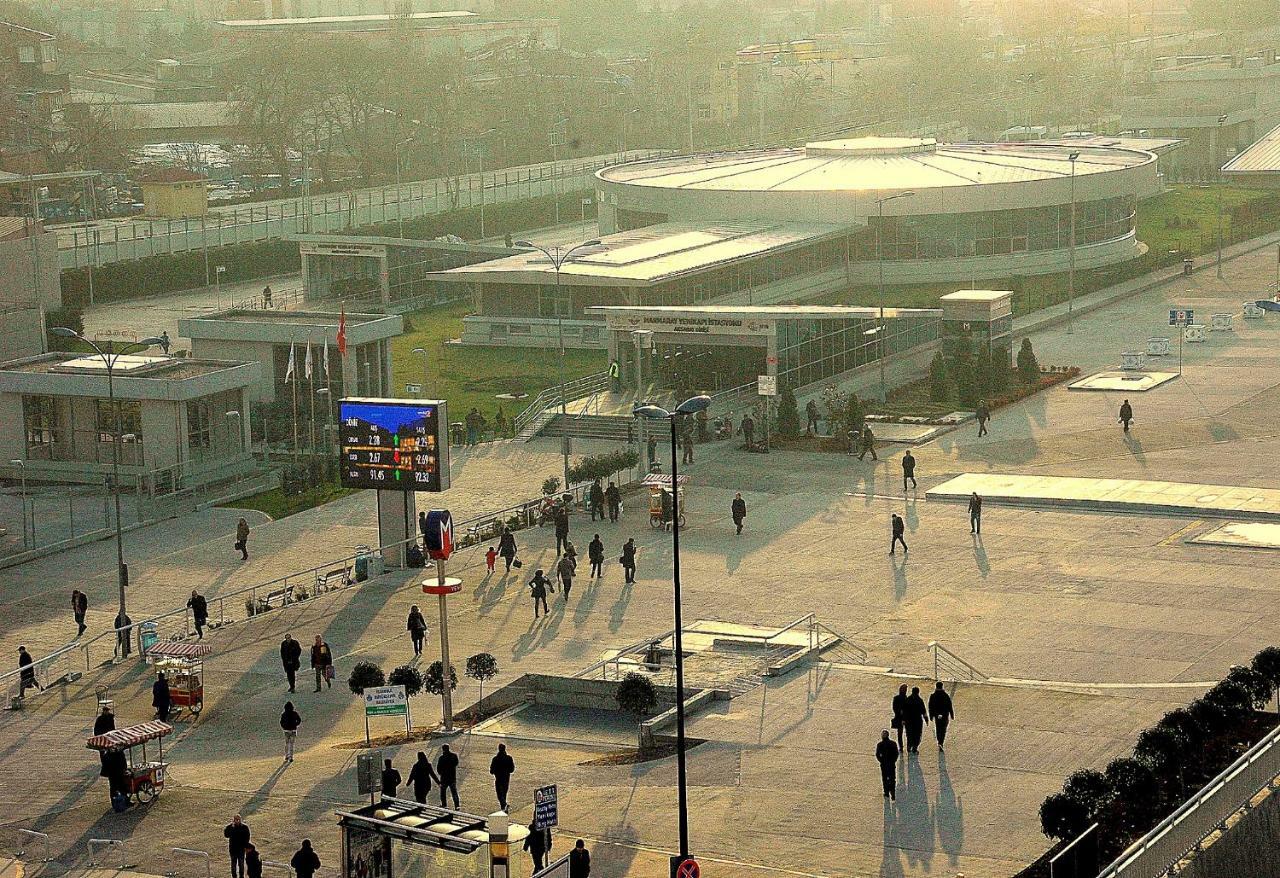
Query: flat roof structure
pixel 1259 163
pixel 281 327
pixel 137 377
pixel 344 22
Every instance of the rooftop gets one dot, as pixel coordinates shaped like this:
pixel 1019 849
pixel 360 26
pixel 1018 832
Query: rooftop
pixel 876 164
pixel 976 296
pixel 1261 157
pixel 651 254
pixel 292 318
pixel 135 367
pixel 759 312
pixel 345 20
pixel 171 175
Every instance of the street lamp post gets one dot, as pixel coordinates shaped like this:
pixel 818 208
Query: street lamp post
pixel 557 261
pixel 22 469
pixel 235 415
pixel 423 353
pixel 1071 254
pixel 689 407
pixel 109 360
pixel 1217 146
pixel 880 334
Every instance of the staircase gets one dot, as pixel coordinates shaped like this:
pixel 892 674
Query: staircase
pixel 616 428
pixel 546 406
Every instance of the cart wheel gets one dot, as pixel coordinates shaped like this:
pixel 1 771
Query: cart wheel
pixel 196 707
pixel 682 519
pixel 146 791
pixel 655 521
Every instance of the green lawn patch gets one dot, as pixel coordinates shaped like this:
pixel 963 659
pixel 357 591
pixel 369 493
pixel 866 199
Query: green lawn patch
pixel 277 504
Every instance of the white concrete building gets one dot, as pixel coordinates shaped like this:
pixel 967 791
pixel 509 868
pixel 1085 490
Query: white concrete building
pixel 29 285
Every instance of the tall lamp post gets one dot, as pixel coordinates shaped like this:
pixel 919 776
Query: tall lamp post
pixel 690 406
pixel 1071 253
pixel 558 258
pixel 880 330
pixel 110 359
pixel 1217 147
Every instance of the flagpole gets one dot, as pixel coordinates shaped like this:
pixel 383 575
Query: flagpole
pixel 294 363
pixel 311 376
pixel 328 386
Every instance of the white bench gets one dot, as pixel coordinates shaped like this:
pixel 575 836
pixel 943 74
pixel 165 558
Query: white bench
pixel 1222 323
pixel 1158 346
pixel 1133 360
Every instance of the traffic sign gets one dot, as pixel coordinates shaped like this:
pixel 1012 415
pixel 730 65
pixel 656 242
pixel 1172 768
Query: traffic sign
pixel 545 807
pixel 767 385
pixel 1181 316
pixel 688 869
pixel 385 701
pixel 451 585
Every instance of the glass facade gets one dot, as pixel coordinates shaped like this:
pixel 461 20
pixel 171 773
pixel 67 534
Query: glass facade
pixel 814 350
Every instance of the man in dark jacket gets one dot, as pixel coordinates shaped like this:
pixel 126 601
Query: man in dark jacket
pixel 596 500
pixel 291 659
pixel 290 719
pixel 422 528
pixel 421 776
pixel 908 470
pixel 161 700
pixel 106 721
pixel 447 772
pixel 811 416
pixel 595 554
pixel 390 779
pixel 237 836
pixel 79 607
pixel 27 674
pixel 613 500
pixel 984 415
pixel 942 712
pixel 1126 414
pixel 899 530
pixel 749 430
pixel 507 547
pixel 538 844
pixel 502 766
pixel 915 717
pixel 321 660
pixel 562 528
pixel 975 513
pixel 199 608
pixel 887 756
pixel 417 626
pixel 628 560
pixel 579 861
pixel 738 508
pixel 867 443
pixel 564 572
pixel 305 862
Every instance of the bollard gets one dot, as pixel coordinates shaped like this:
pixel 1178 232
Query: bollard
pixel 188 852
pixel 44 838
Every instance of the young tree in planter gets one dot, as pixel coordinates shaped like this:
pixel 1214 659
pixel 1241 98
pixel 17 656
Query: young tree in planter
pixel 408 677
pixel 636 694
pixel 481 667
pixel 787 420
pixel 365 675
pixel 433 679
pixel 1062 817
pixel 1028 366
pixel 1267 663
pixel 939 380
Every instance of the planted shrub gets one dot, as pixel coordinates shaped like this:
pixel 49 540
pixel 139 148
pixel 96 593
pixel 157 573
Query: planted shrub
pixel 1028 366
pixel 787 421
pixel 408 677
pixel 636 694
pixel 365 675
pixel 1062 817
pixel 433 679
pixel 939 379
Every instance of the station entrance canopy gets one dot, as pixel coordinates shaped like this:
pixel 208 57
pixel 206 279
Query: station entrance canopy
pixel 367 833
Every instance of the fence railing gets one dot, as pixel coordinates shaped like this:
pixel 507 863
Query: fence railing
pixel 1186 828
pixel 541 410
pixel 557 869
pixel 775 649
pixel 949 666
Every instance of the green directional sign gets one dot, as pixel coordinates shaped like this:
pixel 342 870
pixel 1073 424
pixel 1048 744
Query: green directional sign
pixel 386 701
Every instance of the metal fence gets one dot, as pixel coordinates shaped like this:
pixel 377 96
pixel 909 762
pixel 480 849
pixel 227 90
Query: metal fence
pixel 1186 828
pixel 101 243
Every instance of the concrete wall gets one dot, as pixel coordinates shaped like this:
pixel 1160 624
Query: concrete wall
pixel 1249 849
pixel 18 275
pixel 21 333
pixel 264 389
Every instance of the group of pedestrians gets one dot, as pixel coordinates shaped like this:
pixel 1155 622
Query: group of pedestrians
pixel 246 862
pixel 321 661
pixel 602 501
pixel 910 715
pixel 566 568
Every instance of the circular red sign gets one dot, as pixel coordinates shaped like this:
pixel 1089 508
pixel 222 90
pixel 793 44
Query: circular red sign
pixel 435 588
pixel 688 869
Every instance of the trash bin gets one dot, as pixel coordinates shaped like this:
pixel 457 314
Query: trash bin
pixel 362 563
pixel 147 636
pixel 1187 265
pixel 457 433
pixel 377 564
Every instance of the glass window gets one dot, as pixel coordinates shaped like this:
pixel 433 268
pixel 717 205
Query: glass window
pixel 39 417
pixel 199 432
pixel 130 417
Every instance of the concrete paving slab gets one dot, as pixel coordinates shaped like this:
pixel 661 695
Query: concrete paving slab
pixel 1126 381
pixel 1245 534
pixel 907 434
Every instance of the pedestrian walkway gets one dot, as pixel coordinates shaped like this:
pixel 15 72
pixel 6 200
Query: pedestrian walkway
pixel 1114 495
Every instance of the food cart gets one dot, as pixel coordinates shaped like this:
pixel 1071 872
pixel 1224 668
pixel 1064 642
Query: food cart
pixel 143 777
pixel 183 666
pixel 656 482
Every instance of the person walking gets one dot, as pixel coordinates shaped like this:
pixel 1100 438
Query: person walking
pixel 686 447
pixel 595 499
pixel 390 779
pixel 538 844
pixel 811 417
pixel 664 500
pixel 899 530
pixel 322 662
pixel 538 591
pixel 290 719
pixel 161 698
pixel 237 835
pixel 291 659
pixel 199 608
pixel 417 626
pixel 975 513
pixel 165 342
pixel 579 861
pixel 915 717
pixel 1126 415
pixel 562 528
pixel 305 862
pixel 908 470
pixel 422 528
pixel 867 443
pixel 26 673
pixel 79 607
pixel 564 572
pixel 613 499
pixel 941 711
pixel 628 560
pixel 502 766
pixel 105 721
pixel 242 539
pixel 252 861
pixel 595 554
pixel 507 547
pixel 124 634
pixel 984 415
pixel 899 713
pixel 749 430
pixel 490 561
pixel 738 509
pixel 887 756
pixel 420 778
pixel 447 772
pixel 266 297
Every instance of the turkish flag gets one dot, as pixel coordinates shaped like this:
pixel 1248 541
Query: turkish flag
pixel 342 332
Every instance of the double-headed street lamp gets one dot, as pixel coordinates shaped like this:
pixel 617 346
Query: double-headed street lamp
pixel 110 359
pixel 690 406
pixel 880 330
pixel 558 258
pixel 1217 150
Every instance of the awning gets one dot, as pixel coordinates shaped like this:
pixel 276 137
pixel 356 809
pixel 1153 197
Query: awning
pixel 661 480
pixel 130 736
pixel 178 649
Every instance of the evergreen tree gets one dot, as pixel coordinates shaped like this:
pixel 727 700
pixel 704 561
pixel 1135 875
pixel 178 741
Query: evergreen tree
pixel 787 419
pixel 939 380
pixel 966 383
pixel 855 414
pixel 1028 366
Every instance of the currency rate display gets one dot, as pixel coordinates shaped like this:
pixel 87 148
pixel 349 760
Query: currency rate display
pixel 394 444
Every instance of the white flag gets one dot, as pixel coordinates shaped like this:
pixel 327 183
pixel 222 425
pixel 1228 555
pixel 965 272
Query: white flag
pixel 326 356
pixel 307 367
pixel 288 372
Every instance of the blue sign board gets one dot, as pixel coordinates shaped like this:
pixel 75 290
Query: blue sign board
pixel 545 807
pixel 1181 316
pixel 394 444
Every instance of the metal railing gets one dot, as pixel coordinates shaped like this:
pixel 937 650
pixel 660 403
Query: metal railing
pixel 1186 829
pixel 42 837
pixel 949 666
pixel 189 852
pixel 557 869
pixel 845 647
pixel 543 408
pixel 109 844
pixel 775 651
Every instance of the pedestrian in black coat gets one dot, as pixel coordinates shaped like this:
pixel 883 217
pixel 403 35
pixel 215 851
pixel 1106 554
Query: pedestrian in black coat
pixel 579 861
pixel 564 572
pixel 899 530
pixel 199 612
pixel 161 700
pixel 502 766
pixel 915 716
pixel 538 844
pixel 738 509
pixel 290 719
pixel 291 659
pixel 447 772
pixel 867 443
pixel 595 499
pixel 421 776
pixel 628 560
pixel 27 674
pixel 79 607
pixel 899 713
pixel 887 756
pixel 613 500
pixel 984 415
pixel 305 861
pixel 595 554
pixel 252 861
pixel 237 835
pixel 975 513
pixel 507 547
pixel 538 591
pixel 1126 414
pixel 417 626
pixel 562 528
pixel 908 469
pixel 422 528
pixel 942 712
pixel 390 779
pixel 106 721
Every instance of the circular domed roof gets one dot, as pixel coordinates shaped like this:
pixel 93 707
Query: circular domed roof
pixel 868 146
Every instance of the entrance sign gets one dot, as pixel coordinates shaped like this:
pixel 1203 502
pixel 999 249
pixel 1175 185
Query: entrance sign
pixel 385 701
pixel 767 385
pixel 545 807
pixel 394 444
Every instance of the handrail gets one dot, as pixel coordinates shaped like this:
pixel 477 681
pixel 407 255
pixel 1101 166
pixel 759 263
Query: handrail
pixel 593 382
pixel 845 643
pixel 951 662
pixel 603 663
pixel 108 843
pixel 189 852
pixel 43 836
pixel 549 870
pixel 274 864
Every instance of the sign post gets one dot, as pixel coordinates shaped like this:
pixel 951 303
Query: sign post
pixel 546 809
pixel 1181 318
pixel 767 386
pixel 439 545
pixel 368 779
pixel 385 701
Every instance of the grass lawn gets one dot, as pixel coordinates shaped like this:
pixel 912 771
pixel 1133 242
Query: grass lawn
pixel 468 375
pixel 1195 210
pixel 277 504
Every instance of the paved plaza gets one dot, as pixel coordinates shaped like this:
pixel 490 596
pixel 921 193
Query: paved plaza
pixel 1094 622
